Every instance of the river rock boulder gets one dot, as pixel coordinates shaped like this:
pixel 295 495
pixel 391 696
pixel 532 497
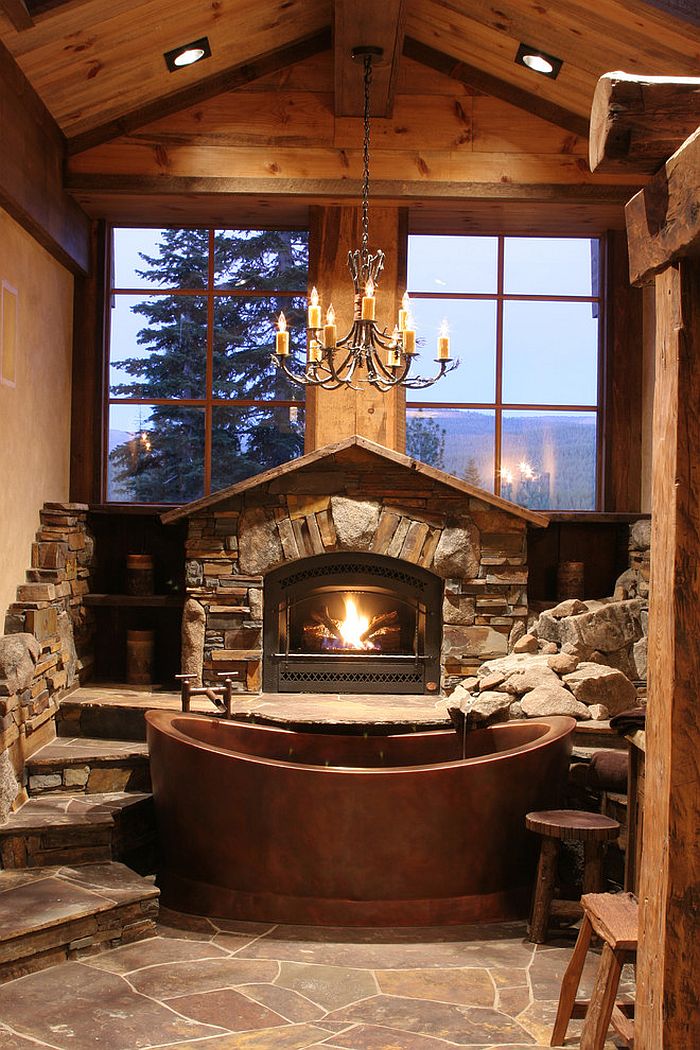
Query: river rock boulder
pixel 553 700
pixel 18 656
pixel 593 683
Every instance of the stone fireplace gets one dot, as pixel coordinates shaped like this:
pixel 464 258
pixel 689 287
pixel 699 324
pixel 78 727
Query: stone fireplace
pixel 352 569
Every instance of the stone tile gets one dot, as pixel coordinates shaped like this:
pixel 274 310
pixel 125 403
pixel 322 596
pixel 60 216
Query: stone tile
pixel 185 924
pixel 291 1005
pixel 369 1037
pixel 458 1024
pixel 44 902
pixel 468 987
pixel 192 976
pixel 538 1020
pixel 328 986
pixel 293 1037
pixel 548 968
pixel 513 1001
pixel 76 1006
pixel 227 1008
pixel 115 882
pixel 11 1041
pixel 232 942
pixel 508 976
pixel 152 952
pixel 478 946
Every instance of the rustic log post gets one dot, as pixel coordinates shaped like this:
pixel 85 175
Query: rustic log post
pixel 663 234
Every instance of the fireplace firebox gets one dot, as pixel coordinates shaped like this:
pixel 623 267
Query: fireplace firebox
pixel 348 622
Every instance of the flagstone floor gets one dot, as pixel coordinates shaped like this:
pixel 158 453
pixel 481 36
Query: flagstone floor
pixel 204 985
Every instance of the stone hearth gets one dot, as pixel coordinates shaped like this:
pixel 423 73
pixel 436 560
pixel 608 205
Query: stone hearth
pixel 354 497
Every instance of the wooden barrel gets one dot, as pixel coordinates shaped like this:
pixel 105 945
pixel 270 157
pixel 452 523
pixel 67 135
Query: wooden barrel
pixel 139 574
pixel 570 583
pixel 139 657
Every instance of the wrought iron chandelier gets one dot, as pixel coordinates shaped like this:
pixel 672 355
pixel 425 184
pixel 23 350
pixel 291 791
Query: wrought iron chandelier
pixel 367 355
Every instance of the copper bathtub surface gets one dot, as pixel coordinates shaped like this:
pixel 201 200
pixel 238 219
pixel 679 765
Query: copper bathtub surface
pixel 262 823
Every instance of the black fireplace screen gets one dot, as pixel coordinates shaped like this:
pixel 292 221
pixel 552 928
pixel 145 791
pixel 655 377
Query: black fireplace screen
pixel 357 623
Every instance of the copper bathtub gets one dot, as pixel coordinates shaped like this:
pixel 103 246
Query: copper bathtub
pixel 263 823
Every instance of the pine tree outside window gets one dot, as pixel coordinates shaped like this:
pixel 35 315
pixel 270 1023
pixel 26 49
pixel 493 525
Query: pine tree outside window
pixel 194 403
pixel 521 417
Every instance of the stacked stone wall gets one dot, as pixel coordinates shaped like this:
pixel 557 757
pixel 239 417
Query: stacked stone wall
pixel 47 642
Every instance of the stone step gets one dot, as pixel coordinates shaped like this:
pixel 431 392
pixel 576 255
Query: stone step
pixel 116 712
pixel 78 828
pixel 90 765
pixel 50 914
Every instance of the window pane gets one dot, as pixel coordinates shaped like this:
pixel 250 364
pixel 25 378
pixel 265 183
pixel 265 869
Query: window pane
pixel 246 441
pixel 549 459
pixel 452 264
pixel 158 346
pixel 156 454
pixel 244 339
pixel 550 353
pixel 457 440
pixel 160 258
pixel 551 266
pixel 472 327
pixel 261 259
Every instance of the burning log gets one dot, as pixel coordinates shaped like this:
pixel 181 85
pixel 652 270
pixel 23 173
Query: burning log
pixel 326 620
pixel 377 622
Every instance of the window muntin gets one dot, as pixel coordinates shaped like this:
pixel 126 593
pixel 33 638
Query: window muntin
pixel 537 329
pixel 192 403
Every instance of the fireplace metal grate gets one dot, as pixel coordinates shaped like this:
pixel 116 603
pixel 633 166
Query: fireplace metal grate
pixel 383 572
pixel 369 678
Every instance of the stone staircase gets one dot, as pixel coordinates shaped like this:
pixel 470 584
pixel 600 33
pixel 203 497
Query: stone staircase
pixel 78 856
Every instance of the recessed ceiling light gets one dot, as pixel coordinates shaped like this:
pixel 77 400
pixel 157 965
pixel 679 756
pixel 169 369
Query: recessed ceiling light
pixel 538 61
pixel 187 54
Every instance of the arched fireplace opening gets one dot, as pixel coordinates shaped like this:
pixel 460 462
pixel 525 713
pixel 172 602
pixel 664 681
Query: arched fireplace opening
pixel 347 622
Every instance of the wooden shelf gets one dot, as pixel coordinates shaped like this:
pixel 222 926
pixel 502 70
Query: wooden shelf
pixel 133 601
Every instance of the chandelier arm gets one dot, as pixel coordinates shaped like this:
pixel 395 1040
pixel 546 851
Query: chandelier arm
pixel 421 382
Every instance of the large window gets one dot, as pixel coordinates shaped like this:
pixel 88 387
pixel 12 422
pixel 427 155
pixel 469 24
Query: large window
pixel 520 417
pixel 194 403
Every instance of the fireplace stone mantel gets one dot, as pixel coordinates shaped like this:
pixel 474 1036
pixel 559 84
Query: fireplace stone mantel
pixel 352 496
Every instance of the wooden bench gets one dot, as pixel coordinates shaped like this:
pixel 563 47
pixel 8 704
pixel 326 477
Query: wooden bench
pixel 556 826
pixel 613 917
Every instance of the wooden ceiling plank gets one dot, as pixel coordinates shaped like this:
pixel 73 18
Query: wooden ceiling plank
pixel 359 23
pixel 684 10
pixel 638 122
pixel 17 13
pixel 491 85
pixel 226 80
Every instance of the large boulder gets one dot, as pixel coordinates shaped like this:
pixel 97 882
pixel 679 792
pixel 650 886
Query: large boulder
pixel 259 545
pixel 608 628
pixel 458 550
pixel 506 665
pixel 553 700
pixel 193 631
pixel 525 679
pixel 9 787
pixel 488 707
pixel 597 684
pixel 18 656
pixel 355 522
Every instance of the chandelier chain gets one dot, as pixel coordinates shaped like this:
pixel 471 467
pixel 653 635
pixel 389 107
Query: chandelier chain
pixel 365 158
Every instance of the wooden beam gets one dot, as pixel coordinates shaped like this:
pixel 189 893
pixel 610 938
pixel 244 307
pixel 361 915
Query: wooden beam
pixel 666 1015
pixel 684 10
pixel 17 14
pixel 227 80
pixel 32 151
pixel 491 85
pixel 663 219
pixel 366 22
pixel 638 122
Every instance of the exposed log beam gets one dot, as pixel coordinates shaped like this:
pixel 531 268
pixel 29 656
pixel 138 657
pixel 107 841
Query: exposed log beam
pixel 663 219
pixel 638 122
pixel 491 85
pixel 32 151
pixel 17 13
pixel 226 80
pixel 684 10
pixel 366 22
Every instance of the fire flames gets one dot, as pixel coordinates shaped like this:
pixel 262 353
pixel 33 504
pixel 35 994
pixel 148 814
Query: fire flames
pixel 354 627
pixel 356 631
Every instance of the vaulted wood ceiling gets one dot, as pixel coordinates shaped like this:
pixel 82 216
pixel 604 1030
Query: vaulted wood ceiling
pixel 96 62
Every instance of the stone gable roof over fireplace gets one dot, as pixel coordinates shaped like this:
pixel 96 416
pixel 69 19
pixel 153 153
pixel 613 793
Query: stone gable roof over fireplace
pixel 323 469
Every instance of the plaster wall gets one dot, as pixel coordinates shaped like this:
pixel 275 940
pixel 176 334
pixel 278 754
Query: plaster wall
pixel 35 410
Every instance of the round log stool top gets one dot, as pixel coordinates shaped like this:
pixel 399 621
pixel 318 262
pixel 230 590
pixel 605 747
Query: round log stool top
pixel 573 824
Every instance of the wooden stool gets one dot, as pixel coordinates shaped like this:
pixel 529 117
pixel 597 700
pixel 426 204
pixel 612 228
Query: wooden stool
pixel 556 826
pixel 613 916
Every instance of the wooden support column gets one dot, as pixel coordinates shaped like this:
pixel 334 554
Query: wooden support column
pixel 332 415
pixel 667 1014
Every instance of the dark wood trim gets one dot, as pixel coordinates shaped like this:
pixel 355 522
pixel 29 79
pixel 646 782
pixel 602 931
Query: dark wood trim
pixel 17 13
pixel 684 10
pixel 87 436
pixel 358 22
pixel 663 219
pixel 622 468
pixel 491 85
pixel 32 150
pixel 226 80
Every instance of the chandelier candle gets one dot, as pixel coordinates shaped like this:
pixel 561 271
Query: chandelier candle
pixel 367 355
pixel 443 351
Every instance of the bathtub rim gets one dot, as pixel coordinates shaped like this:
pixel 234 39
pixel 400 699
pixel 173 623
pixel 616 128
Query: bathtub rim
pixel 558 727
